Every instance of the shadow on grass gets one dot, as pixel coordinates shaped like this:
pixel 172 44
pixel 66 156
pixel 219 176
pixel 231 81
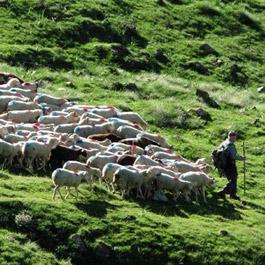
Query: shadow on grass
pixel 95 208
pixel 181 208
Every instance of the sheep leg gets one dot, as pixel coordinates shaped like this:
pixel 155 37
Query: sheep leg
pixel 54 192
pixel 176 195
pixel 187 197
pixel 139 191
pixel 196 195
pixel 68 193
pixel 203 194
pixel 76 189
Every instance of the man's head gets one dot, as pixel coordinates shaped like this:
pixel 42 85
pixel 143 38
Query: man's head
pixel 232 136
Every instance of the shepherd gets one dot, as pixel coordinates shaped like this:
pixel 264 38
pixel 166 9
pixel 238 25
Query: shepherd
pixel 230 170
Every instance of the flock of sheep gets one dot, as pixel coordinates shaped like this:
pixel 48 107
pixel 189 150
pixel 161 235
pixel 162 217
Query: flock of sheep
pixel 84 142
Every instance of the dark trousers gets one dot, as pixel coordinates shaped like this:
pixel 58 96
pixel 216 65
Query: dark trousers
pixel 231 175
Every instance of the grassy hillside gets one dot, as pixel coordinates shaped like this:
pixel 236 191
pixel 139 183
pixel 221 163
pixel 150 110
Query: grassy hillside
pixel 150 57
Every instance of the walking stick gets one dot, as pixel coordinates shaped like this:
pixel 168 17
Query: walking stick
pixel 244 154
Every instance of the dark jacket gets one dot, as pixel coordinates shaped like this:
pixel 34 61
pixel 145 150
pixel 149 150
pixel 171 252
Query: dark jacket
pixel 232 156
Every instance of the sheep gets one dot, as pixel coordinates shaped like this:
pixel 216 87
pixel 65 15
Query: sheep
pixel 33 151
pixel 132 117
pixel 86 130
pixel 4 100
pixel 151 149
pixel 165 155
pixel 8 151
pixel 70 118
pixel 63 177
pixel 13 82
pixel 155 138
pixel 141 142
pixel 145 160
pixel 66 128
pixel 126 159
pixel 100 137
pixel 78 166
pixel 81 110
pixel 25 116
pixel 91 121
pixel 4 92
pixel 116 122
pixel 105 112
pixel 88 144
pixel 43 98
pixel 21 105
pixel 25 92
pixel 99 161
pixel 125 131
pixel 183 166
pixel 108 171
pixel 128 179
pixel 174 185
pixel 14 138
pixel 33 86
pixel 88 114
pixel 61 153
pixel 59 113
pixel 199 182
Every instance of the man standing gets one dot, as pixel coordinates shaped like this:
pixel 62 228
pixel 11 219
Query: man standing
pixel 230 171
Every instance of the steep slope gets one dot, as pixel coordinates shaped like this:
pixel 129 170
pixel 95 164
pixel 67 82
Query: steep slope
pixel 146 56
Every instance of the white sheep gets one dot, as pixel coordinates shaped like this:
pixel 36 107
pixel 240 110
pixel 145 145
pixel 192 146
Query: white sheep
pixel 105 112
pixel 4 100
pixel 8 152
pixel 63 177
pixel 13 82
pixel 145 160
pixel 25 92
pixel 87 130
pixel 78 166
pixel 48 119
pixel 43 98
pixel 66 128
pixel 14 138
pixel 127 179
pixel 199 182
pixel 132 117
pixel 126 131
pixel 26 116
pixel 99 161
pixel 38 151
pixel 21 105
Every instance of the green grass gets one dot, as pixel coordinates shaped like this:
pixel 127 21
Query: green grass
pixel 104 45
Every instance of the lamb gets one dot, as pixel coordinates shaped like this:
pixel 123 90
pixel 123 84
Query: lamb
pixel 78 166
pixel 26 116
pixel 155 138
pixel 70 118
pixel 199 181
pixel 63 177
pixel 125 131
pixel 21 105
pixel 99 161
pixel 132 117
pixel 42 98
pixel 128 179
pixel 33 151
